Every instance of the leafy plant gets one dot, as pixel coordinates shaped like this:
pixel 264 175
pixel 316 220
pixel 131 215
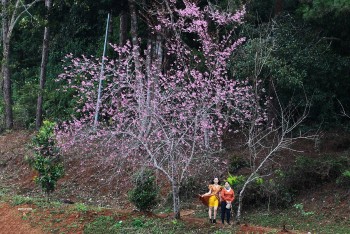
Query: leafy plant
pixel 81 207
pixel 235 181
pixel 344 178
pixel 138 223
pixel 300 207
pixel 144 195
pixel 46 160
pixel 237 163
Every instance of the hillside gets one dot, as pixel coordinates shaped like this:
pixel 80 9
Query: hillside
pixel 91 182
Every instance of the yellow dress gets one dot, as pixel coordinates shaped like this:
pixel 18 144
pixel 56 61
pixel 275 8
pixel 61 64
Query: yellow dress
pixel 212 200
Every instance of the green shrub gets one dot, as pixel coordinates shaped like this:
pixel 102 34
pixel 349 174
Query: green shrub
pixel 81 207
pixel 236 182
pixel 145 193
pixel 344 179
pixel 138 223
pixel 236 163
pixel 300 208
pixel 46 160
pixel 310 172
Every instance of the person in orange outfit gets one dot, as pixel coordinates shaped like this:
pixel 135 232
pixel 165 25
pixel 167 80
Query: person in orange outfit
pixel 214 196
pixel 227 196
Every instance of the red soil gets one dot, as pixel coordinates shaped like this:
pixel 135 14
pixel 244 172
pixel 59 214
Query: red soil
pixel 12 221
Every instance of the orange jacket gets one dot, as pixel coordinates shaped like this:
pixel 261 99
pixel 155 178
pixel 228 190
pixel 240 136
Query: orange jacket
pixel 227 195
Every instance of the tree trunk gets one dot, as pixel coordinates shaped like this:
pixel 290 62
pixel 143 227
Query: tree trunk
pixel 5 69
pixel 136 56
pixel 123 30
pixel 7 86
pixel 278 7
pixel 240 200
pixel 176 200
pixel 43 67
pixel 239 209
pixel 134 37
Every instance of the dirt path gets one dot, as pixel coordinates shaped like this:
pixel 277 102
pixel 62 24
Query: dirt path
pixel 12 222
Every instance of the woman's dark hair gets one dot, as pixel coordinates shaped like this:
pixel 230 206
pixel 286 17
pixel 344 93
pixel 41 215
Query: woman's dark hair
pixel 212 182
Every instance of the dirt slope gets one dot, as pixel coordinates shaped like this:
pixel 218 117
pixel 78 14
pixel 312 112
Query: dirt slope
pixel 12 221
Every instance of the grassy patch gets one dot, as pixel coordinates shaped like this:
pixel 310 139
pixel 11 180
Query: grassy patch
pixel 142 224
pixel 293 221
pixel 19 200
pixel 103 225
pixel 81 207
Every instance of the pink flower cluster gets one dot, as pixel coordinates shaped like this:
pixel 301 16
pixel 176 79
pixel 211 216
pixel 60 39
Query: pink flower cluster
pixel 172 114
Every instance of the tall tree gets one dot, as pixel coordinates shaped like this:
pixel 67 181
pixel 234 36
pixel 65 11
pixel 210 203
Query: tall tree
pixel 12 11
pixel 44 57
pixel 123 30
pixel 164 119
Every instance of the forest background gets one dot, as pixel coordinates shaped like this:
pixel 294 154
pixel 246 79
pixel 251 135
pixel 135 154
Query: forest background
pixel 304 47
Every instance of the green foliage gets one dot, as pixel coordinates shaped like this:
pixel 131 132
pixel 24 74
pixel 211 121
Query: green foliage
pixel 138 223
pixel 236 182
pixel 308 172
pixel 49 170
pixel 333 18
pixel 305 173
pixel 46 160
pixel 144 194
pixel 19 200
pixel 299 62
pixel 44 138
pixel 321 8
pixel 259 181
pixel 317 223
pixel 300 208
pixel 24 108
pixel 81 207
pixel 236 163
pixel 344 179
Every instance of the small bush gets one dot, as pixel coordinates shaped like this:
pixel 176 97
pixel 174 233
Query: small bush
pixel 308 172
pixel 300 208
pixel 46 160
pixel 81 207
pixel 236 163
pixel 145 193
pixel 236 182
pixel 138 223
pixel 344 179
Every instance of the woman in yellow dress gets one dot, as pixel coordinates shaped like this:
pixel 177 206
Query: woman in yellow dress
pixel 212 197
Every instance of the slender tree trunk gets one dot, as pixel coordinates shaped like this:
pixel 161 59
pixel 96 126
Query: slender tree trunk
pixel 278 7
pixel 7 86
pixel 240 203
pixel 134 37
pixel 123 28
pixel 146 127
pixel 43 67
pixel 136 56
pixel 176 199
pixel 5 69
